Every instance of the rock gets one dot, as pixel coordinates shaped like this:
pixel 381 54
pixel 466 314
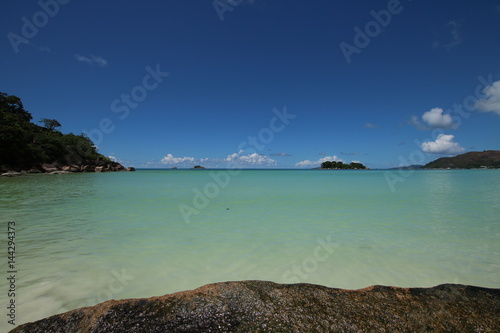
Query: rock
pixel 49 167
pixel 115 166
pixel 12 174
pixel 59 172
pixel 86 168
pixel 34 170
pixel 99 169
pixel 259 306
pixel 71 168
pixel 130 169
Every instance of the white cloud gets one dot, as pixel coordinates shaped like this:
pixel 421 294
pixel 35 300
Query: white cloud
pixel 309 163
pixel 492 101
pixel 170 159
pixel 250 159
pixel 92 60
pixel 436 119
pixel 112 158
pixel 370 125
pixel 443 145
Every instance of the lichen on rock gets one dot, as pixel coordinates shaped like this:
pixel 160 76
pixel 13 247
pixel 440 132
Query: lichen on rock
pixel 259 306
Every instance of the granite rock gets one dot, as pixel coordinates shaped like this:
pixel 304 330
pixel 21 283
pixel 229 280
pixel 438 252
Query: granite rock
pixel 49 167
pixel 12 174
pixel 259 306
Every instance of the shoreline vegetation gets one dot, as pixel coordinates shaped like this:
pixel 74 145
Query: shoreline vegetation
pixel 333 165
pixel 26 147
pixel 487 159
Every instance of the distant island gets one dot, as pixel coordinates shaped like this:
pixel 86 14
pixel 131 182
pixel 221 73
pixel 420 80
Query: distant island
pixel 333 165
pixel 408 167
pixel 488 159
pixel 26 147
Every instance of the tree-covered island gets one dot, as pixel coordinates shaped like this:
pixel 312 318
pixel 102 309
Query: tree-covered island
pixel 341 166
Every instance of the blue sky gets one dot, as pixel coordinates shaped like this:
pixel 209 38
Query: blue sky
pixel 262 83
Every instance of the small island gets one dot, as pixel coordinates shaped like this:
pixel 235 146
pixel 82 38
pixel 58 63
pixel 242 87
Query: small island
pixel 333 165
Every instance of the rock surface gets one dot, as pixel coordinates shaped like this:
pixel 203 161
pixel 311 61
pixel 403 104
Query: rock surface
pixel 55 168
pixel 49 167
pixel 258 306
pixel 12 174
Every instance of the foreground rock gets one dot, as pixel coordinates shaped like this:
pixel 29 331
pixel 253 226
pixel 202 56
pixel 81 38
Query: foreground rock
pixel 258 306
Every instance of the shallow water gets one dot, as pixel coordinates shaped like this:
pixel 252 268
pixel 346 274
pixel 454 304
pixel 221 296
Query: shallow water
pixel 85 238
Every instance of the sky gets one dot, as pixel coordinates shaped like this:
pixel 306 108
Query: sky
pixel 260 83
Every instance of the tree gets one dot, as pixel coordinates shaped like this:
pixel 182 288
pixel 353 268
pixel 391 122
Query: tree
pixel 326 165
pixel 356 165
pixel 341 165
pixel 24 145
pixel 12 105
pixel 50 124
pixel 15 131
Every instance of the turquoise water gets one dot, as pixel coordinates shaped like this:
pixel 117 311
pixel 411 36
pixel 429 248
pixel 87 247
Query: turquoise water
pixel 85 238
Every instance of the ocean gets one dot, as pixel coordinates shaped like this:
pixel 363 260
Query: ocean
pixel 85 238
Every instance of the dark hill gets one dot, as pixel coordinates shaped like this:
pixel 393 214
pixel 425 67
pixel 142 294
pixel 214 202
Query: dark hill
pixel 473 160
pixel 30 147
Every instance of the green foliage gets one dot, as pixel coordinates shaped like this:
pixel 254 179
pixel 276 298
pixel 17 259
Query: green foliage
pixel 24 144
pixel 327 165
pixel 13 107
pixel 355 165
pixel 340 165
pixel 472 160
pixel 50 124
